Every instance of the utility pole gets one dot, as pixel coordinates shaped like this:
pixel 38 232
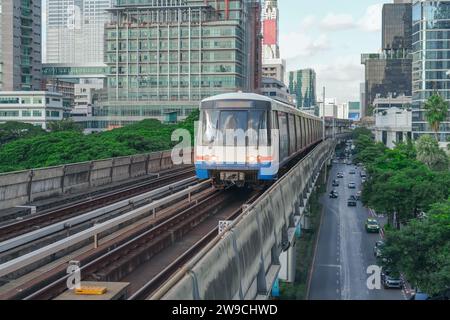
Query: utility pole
pixel 323 115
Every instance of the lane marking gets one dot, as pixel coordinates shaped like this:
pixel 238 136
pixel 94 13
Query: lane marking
pixel 315 254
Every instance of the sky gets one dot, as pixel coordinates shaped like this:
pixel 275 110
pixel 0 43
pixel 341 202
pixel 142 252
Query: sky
pixel 329 36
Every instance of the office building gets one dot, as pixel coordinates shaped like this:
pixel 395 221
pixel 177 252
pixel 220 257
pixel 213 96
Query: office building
pixel 20 45
pixel 431 54
pixel 400 102
pixel 75 31
pixel 302 84
pixel 393 126
pixel 273 66
pixel 389 72
pixel 34 107
pixel 166 56
pixel 354 110
pixel 66 88
pixel 277 90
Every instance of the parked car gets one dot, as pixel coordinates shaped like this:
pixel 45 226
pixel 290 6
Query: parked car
pixel 352 172
pixel 358 195
pixel 352 185
pixel 335 183
pixel 334 194
pixel 372 226
pixel 391 280
pixel 363 174
pixel 351 202
pixel 420 296
pixel 377 249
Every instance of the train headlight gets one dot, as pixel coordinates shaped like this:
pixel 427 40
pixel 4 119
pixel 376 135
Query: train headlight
pixel 252 159
pixel 213 158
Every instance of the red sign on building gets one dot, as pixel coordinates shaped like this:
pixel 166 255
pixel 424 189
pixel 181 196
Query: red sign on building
pixel 270 32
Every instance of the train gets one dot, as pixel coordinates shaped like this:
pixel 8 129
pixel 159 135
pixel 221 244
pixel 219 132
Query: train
pixel 246 139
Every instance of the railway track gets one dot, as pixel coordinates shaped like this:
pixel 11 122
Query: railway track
pixel 29 224
pixel 115 258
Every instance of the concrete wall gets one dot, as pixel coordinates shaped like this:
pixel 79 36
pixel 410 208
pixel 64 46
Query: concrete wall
pixel 23 187
pixel 244 263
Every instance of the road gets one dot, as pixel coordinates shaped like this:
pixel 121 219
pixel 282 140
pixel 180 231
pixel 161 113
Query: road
pixel 344 249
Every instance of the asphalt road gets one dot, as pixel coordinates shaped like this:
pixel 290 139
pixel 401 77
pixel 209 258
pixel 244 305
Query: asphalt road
pixel 344 249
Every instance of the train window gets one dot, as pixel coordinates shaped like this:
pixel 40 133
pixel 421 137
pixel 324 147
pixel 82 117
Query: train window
pixel 297 133
pixel 303 132
pixel 257 126
pixel 292 136
pixel 209 121
pixel 230 122
pixel 284 135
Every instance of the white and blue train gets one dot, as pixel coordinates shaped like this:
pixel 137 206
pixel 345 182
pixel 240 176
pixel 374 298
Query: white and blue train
pixel 275 133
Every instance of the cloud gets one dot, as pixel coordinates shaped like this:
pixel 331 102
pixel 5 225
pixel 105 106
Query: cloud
pixel 372 19
pixel 299 44
pixel 334 22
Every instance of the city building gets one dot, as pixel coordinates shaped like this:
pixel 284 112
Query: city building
pixel 400 102
pixel 277 90
pixel 66 88
pixel 273 65
pixel 75 31
pixel 166 56
pixel 342 111
pixel 331 107
pixel 35 107
pixel 302 84
pixel 431 64
pixel 354 110
pixel 20 45
pixel 389 72
pixel 393 126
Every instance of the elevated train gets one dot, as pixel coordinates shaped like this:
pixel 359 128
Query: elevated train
pixel 275 133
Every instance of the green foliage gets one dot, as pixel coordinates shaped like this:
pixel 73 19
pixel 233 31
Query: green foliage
pixel 429 152
pixel 64 125
pixel 421 250
pixel 63 147
pixel 436 110
pixel 13 130
pixel 361 131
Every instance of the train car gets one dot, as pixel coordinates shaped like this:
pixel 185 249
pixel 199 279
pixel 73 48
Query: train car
pixel 244 139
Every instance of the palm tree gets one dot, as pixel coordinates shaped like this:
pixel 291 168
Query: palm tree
pixel 436 109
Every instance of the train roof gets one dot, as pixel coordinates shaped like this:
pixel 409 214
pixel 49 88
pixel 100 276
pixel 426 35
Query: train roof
pixel 238 96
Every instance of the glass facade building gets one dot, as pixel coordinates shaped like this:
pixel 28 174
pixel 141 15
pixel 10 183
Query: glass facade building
pixel 165 56
pixel 431 61
pixel 20 45
pixel 389 74
pixel 302 84
pixel 75 31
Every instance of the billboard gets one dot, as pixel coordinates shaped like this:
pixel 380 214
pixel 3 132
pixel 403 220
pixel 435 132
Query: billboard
pixel 270 32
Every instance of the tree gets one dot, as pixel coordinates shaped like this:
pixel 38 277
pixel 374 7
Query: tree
pixel 361 131
pixel 64 125
pixel 428 152
pixel 436 110
pixel 13 130
pixel 421 250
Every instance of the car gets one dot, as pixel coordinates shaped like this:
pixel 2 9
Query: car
pixel 351 202
pixel 363 174
pixel 340 175
pixel 391 280
pixel 420 296
pixel 335 183
pixel 352 185
pixel 358 195
pixel 372 226
pixel 363 180
pixel 352 172
pixel 334 194
pixel 377 249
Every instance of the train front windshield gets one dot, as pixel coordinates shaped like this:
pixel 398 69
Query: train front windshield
pixel 219 126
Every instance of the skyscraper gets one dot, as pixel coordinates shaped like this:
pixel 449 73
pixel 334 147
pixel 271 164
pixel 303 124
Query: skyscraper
pixel 389 74
pixel 75 31
pixel 20 45
pixel 165 56
pixel 431 61
pixel 302 84
pixel 273 66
